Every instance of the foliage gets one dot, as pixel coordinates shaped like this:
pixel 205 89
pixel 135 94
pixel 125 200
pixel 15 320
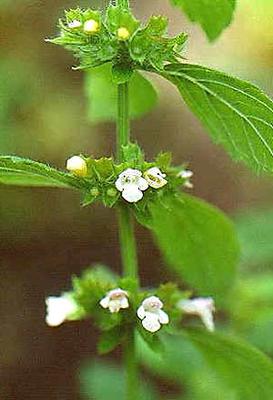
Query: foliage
pixel 104 381
pixel 237 114
pixel 255 232
pixel 212 15
pixel 198 242
pixel 102 95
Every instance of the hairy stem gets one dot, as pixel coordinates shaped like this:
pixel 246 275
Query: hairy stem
pixel 127 242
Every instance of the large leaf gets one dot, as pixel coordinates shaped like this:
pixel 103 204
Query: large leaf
pixel 242 367
pixel 255 231
pixel 24 172
pixel 237 114
pixel 198 242
pixel 102 95
pixel 212 15
pixel 104 381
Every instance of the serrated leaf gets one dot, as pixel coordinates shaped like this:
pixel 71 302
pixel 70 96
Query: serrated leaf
pixel 101 92
pixel 25 172
pixel 118 16
pixel 199 243
pixel 242 367
pixel 213 15
pixel 237 114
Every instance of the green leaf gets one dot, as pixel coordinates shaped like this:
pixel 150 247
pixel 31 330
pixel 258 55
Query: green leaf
pixel 237 114
pixel 24 172
pixel 109 340
pixel 102 95
pixel 242 367
pixel 198 242
pixel 213 15
pixel 104 381
pixel 255 231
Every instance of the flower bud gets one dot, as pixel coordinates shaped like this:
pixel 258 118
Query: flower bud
pixel 77 166
pixel 74 24
pixel 123 33
pixel 111 192
pixel 91 26
pixel 94 192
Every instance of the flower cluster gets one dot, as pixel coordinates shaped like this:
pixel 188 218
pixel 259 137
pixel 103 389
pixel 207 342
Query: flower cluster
pixel 107 180
pixel 150 311
pixel 117 36
pixel 132 185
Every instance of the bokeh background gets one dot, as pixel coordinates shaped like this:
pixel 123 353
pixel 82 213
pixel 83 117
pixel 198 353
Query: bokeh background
pixel 44 234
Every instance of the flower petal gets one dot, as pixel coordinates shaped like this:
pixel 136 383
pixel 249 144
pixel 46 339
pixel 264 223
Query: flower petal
pixel 124 303
pixel 119 184
pixel 105 302
pixel 151 323
pixel 142 184
pixel 163 317
pixel 131 193
pixel 141 312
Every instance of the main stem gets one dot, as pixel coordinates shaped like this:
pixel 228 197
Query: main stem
pixel 127 242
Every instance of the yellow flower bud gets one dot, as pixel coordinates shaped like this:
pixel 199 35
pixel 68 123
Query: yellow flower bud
pixel 91 26
pixel 123 33
pixel 77 166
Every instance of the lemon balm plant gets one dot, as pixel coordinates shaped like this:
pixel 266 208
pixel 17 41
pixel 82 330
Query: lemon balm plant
pixel 198 241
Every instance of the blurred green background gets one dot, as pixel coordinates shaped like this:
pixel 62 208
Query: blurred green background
pixel 46 236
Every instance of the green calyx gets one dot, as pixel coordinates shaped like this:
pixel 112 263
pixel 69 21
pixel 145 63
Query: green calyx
pixel 116 36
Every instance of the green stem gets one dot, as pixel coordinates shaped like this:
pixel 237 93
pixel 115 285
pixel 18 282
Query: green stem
pixel 123 123
pixel 127 242
pixel 123 3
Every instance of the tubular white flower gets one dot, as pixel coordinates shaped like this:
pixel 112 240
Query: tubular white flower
pixel 59 309
pixel 115 300
pixel 77 166
pixel 155 178
pixel 186 174
pixel 151 314
pixel 131 184
pixel 202 307
pixel 74 24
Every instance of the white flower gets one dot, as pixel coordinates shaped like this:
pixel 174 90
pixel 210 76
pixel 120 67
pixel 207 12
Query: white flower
pixel 203 307
pixel 59 309
pixel 77 165
pixel 186 174
pixel 115 300
pixel 91 26
pixel 123 33
pixel 74 24
pixel 155 178
pixel 151 314
pixel 131 184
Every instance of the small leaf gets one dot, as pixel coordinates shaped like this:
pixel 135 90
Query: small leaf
pixel 132 154
pixel 24 172
pixel 109 340
pixel 198 242
pixel 237 114
pixel 213 15
pixel 102 95
pixel 163 160
pixel 242 367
